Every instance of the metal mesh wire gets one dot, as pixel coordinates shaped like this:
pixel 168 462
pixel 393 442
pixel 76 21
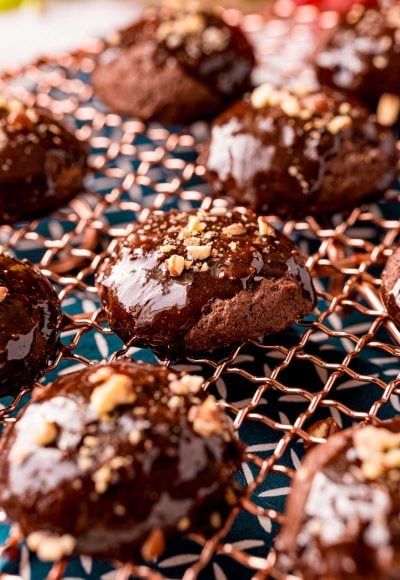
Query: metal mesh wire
pixel 342 362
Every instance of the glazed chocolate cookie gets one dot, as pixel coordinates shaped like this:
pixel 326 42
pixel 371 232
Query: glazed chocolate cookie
pixel 343 511
pixel 113 460
pixel 175 65
pixel 391 286
pixel 30 320
pixel 299 153
pixel 196 281
pixel 42 164
pixel 363 57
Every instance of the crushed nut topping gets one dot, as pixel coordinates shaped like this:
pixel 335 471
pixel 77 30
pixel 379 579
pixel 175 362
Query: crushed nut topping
pixel 114 391
pixel 206 418
pixel 101 375
pixel 50 548
pixel 190 30
pixel 264 228
pixel 102 479
pixel 175 265
pixel 186 384
pixel 378 450
pixel 199 252
pixel 45 434
pixel 303 105
pixel 339 123
pixel 388 110
pixel 3 293
pixel 234 230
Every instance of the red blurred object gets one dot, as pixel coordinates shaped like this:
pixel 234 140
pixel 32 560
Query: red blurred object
pixel 339 5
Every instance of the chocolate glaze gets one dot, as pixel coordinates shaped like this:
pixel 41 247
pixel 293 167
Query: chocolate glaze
pixel 148 306
pixel 224 65
pixel 363 53
pixel 41 163
pixel 391 286
pixel 30 321
pixel 132 448
pixel 297 162
pixel 343 512
pixel 217 56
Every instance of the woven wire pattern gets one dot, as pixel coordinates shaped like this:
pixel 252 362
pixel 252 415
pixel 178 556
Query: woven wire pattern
pixel 342 362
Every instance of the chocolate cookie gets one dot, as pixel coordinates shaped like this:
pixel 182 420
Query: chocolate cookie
pixel 363 57
pixel 175 65
pixel 113 460
pixel 391 286
pixel 30 320
pixel 343 511
pixel 298 153
pixel 42 164
pixel 194 281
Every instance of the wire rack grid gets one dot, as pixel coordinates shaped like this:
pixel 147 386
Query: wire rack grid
pixel 342 362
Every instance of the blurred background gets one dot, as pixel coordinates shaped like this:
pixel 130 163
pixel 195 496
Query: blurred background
pixel 32 28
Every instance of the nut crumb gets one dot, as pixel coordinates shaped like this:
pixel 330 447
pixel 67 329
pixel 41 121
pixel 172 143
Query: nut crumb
pixel 205 418
pixel 339 123
pixel 175 265
pixel 50 548
pixel 378 450
pixel 102 479
pixel 45 434
pixel 199 252
pixel 167 248
pixel 388 109
pixel 187 384
pixel 234 230
pixel 101 375
pixel 3 293
pixel 116 390
pixel 264 228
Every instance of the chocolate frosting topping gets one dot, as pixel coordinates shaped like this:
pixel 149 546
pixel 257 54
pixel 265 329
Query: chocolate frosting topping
pixel 299 152
pixel 138 451
pixel 207 48
pixel 170 271
pixel 42 164
pixel 30 320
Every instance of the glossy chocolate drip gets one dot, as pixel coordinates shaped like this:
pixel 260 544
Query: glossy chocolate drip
pixel 137 450
pixel 308 154
pixel 41 164
pixel 146 303
pixel 30 321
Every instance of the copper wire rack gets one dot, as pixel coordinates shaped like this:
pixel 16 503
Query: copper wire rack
pixel 342 362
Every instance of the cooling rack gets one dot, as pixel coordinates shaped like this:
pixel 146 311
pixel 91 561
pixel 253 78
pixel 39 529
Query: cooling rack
pixel 342 362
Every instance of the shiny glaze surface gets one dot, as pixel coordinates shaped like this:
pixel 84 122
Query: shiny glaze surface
pixel 139 465
pixel 41 163
pixel 30 321
pixel 363 53
pixel 147 305
pixel 345 523
pixel 391 286
pixel 217 54
pixel 274 161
